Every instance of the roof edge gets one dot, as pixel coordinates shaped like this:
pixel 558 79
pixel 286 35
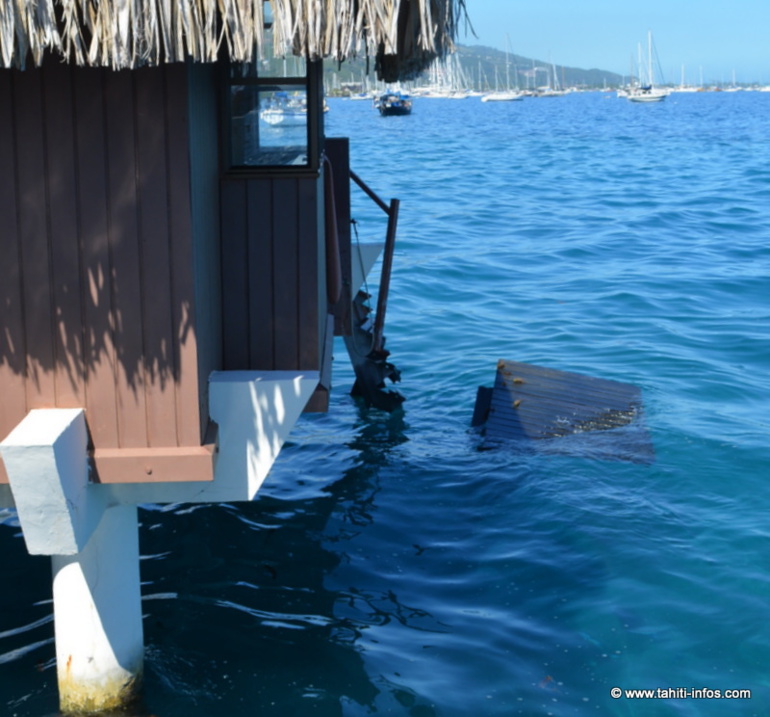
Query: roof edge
pixel 403 35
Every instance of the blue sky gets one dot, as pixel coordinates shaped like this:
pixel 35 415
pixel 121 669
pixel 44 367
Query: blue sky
pixel 715 37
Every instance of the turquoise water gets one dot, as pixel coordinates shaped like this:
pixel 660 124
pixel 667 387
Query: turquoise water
pixel 389 565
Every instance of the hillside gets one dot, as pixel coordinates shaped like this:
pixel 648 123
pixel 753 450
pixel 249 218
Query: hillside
pixel 478 59
pixel 476 66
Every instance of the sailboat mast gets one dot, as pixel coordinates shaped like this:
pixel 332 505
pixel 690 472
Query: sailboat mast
pixel 507 64
pixel 649 56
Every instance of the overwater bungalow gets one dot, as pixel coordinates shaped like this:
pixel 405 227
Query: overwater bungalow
pixel 173 270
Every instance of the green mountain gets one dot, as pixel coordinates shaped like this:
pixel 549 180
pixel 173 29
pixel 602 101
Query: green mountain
pixel 479 68
pixel 481 62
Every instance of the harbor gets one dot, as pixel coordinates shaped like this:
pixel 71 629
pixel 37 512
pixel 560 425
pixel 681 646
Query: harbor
pixel 387 561
pixel 177 267
pixel 203 512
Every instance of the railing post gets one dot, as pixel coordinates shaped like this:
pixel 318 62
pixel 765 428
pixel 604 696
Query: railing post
pixel 387 265
pixel 366 347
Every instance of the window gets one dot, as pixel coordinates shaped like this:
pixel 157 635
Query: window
pixel 271 117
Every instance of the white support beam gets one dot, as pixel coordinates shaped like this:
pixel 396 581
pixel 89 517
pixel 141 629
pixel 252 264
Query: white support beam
pixel 91 530
pixel 254 411
pixel 95 559
pixel 47 465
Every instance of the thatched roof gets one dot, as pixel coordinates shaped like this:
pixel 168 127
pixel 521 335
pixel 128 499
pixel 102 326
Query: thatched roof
pixel 403 35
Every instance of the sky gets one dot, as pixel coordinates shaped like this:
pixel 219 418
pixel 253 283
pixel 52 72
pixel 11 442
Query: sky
pixel 711 39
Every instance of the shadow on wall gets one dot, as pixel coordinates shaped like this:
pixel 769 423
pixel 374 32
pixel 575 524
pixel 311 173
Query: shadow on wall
pixel 97 282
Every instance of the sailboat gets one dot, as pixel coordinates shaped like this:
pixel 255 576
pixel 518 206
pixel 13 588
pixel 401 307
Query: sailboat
pixel 552 90
pixel 506 95
pixel 647 92
pixel 393 103
pixel 284 110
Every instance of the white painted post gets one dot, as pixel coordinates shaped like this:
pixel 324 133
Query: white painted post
pixel 98 617
pixel 91 530
pixel 94 552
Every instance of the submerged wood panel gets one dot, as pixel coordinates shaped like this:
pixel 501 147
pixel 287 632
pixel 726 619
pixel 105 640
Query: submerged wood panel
pixel 98 283
pixel 537 402
pixel 534 404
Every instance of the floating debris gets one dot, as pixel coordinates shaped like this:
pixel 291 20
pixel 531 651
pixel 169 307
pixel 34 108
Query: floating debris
pixel 535 405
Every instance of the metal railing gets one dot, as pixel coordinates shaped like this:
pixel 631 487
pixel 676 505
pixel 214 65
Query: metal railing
pixel 387 261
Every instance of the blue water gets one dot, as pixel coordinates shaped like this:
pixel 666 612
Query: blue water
pixel 390 566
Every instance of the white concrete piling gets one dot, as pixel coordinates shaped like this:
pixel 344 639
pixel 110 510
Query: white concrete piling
pixel 91 530
pixel 98 617
pixel 94 551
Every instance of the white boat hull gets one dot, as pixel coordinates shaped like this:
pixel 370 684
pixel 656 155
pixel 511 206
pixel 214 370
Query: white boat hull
pixel 503 97
pixel 284 118
pixel 648 96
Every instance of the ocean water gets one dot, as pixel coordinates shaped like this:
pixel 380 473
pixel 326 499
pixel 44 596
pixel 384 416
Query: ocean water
pixel 390 565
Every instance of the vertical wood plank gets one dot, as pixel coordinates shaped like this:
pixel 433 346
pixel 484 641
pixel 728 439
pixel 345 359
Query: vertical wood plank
pixel 126 258
pixel 338 151
pixel 204 181
pixel 285 266
pixel 96 272
pixel 69 369
pixel 183 309
pixel 33 233
pixel 13 405
pixel 311 291
pixel 261 277
pixel 155 259
pixel 235 278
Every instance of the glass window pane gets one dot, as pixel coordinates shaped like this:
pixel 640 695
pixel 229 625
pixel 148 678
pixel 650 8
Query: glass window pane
pixel 272 68
pixel 268 125
pixel 282 67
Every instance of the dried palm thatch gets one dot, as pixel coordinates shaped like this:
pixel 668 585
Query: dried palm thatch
pixel 403 35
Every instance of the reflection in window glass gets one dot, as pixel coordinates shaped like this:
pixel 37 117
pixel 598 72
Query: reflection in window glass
pixel 268 125
pixel 272 68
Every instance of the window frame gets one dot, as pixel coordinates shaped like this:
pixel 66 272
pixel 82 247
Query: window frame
pixel 311 83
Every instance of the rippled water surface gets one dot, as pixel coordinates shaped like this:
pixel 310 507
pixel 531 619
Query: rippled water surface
pixel 389 565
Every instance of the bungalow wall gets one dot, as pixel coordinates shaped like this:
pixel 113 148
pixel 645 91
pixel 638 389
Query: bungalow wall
pixel 134 264
pixel 100 244
pixel 203 103
pixel 275 310
pixel 272 257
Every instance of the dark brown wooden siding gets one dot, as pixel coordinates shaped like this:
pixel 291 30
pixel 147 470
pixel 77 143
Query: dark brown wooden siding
pixel 97 280
pixel 273 295
pixel 338 153
pixel 204 188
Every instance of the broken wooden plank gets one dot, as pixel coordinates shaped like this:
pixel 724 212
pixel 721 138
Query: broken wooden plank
pixel 536 405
